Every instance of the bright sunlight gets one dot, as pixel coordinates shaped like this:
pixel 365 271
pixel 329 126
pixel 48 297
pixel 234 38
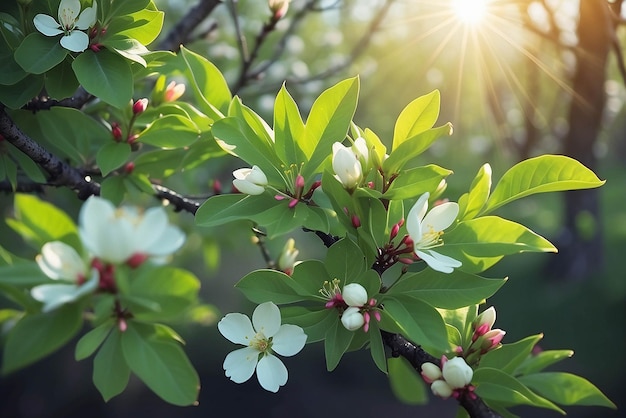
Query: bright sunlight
pixel 470 11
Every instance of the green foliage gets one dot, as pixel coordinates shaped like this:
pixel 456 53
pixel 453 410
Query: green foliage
pixel 406 384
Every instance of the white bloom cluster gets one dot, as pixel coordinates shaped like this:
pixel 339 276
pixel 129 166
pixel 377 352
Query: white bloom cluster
pixel 454 374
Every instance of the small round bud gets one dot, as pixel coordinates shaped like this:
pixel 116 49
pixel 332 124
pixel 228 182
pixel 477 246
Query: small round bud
pixel 441 388
pixel 354 295
pixel 352 319
pixel 457 373
pixel 140 106
pixel 431 372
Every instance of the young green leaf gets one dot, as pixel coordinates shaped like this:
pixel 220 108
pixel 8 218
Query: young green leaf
pixel 412 147
pixel 418 116
pixel 337 342
pixel 509 356
pixel 546 173
pixel 270 286
pixel 473 202
pixel 110 371
pixel 416 181
pixel 566 389
pixel 37 53
pixel 106 75
pixel 406 383
pixel 89 343
pixel 111 156
pixel 538 362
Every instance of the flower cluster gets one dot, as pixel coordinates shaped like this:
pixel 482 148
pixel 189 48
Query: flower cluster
pixel 262 337
pixel 484 338
pixel 451 379
pixel 72 22
pixel 355 306
pixel 111 236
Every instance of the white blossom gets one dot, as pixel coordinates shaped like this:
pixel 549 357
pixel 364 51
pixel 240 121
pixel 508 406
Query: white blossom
pixel 262 337
pixel 115 234
pixel 61 263
pixel 250 181
pixel 346 165
pixel 457 373
pixel 426 229
pixel 71 24
pixel 352 319
pixel 354 295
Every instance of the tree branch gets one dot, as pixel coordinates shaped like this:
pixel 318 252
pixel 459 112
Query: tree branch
pixel 78 100
pixel 59 171
pixel 179 34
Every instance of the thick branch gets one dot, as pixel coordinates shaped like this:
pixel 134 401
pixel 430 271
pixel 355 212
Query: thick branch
pixel 180 33
pixel 59 171
pixel 80 97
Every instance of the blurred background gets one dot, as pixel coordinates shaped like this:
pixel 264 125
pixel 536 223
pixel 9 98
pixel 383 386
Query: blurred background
pixel 518 78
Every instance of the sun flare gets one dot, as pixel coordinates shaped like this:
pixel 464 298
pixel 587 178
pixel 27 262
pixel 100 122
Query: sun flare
pixel 470 11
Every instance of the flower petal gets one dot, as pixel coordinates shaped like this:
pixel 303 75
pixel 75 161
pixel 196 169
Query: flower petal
pixel 272 373
pixel 415 217
pixel 94 212
pixel 438 262
pixel 60 261
pixel 441 217
pixel 88 17
pixel 150 227
pixel 47 25
pixel 76 41
pixel 239 365
pixel 68 11
pixel 54 295
pixel 236 328
pixel 289 340
pixel 170 240
pixel 246 187
pixel 266 319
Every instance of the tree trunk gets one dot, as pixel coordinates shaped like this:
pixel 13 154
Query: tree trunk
pixel 580 243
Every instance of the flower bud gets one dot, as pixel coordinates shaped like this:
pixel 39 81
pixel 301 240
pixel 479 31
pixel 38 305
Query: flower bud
pixel 354 295
pixel 140 106
pixel 116 131
pixel 287 258
pixel 491 339
pixel 250 181
pixel 278 8
pixel 362 153
pixel 487 317
pixel 430 372
pixel 457 373
pixel 441 389
pixel 346 166
pixel 352 319
pixel 173 91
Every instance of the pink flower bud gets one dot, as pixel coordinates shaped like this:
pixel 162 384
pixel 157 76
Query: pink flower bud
pixel 140 106
pixel 430 372
pixel 129 167
pixel 492 339
pixel 173 91
pixel 136 260
pixel 299 182
pixel 116 131
pixel 441 389
pixel 356 222
pixel 293 203
pixel 394 231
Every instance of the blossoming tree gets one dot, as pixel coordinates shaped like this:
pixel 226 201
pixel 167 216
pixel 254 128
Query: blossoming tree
pixel 402 275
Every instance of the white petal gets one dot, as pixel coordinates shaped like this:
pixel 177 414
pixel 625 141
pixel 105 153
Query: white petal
pixel 55 295
pixel 416 214
pixel 440 217
pixel 151 226
pixel 115 240
pixel 88 17
pixel 76 41
pixel 438 262
pixel 246 187
pixel 47 25
pixel 170 240
pixel 93 213
pixel 68 12
pixel 60 261
pixel 266 319
pixel 289 340
pixel 236 328
pixel 272 373
pixel 239 365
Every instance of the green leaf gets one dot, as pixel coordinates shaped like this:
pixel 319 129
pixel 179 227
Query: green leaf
pixel 128 48
pixel 222 209
pixel 143 25
pixel 288 128
pixel 89 343
pixel 377 350
pixel 566 389
pixel 170 131
pixel 538 362
pixel 310 276
pixel 11 37
pixel 36 336
pixel 417 321
pixel 113 189
pixel 418 116
pixel 19 93
pixel 110 371
pixel 262 286
pixel 337 342
pixel 106 75
pixel 315 323
pixel 416 181
pixel 479 243
pixel 509 356
pixel 345 261
pixel 127 7
pixel 473 202
pixel 61 81
pixel 546 173
pixel 112 155
pixel 328 122
pixel 37 53
pixel 208 84
pixel 161 365
pixel 405 382
pixel 447 291
pixel 40 222
pixel 496 385
pixel 412 147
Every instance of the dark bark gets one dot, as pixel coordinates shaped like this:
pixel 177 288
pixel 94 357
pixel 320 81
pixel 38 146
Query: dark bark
pixel 580 249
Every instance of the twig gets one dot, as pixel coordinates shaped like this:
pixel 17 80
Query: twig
pixel 179 34
pixel 180 202
pixel 78 100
